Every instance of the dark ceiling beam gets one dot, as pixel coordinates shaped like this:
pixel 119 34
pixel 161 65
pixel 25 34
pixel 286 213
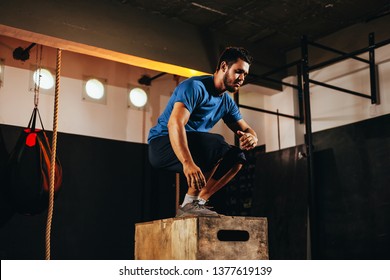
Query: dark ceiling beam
pixel 112 26
pixel 123 29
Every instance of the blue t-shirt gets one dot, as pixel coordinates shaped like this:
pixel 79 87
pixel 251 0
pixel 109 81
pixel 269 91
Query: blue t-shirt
pixel 205 105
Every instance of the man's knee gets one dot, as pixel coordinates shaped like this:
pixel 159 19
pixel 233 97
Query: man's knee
pixel 233 159
pixel 237 167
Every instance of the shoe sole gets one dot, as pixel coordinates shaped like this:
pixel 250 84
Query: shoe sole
pixel 185 214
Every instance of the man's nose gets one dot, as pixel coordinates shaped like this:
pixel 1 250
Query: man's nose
pixel 241 77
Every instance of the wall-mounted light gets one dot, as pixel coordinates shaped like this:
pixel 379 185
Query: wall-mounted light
pixel 1 72
pixel 42 78
pixel 23 54
pixel 147 80
pixel 137 97
pixel 94 90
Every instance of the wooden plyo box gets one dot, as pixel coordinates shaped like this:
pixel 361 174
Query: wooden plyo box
pixel 202 238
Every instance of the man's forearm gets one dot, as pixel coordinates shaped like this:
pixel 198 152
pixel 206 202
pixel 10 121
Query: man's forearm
pixel 178 138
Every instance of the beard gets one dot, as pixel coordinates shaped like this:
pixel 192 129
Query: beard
pixel 229 83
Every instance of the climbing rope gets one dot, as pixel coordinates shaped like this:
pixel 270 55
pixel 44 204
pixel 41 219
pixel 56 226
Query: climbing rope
pixel 53 158
pixel 177 176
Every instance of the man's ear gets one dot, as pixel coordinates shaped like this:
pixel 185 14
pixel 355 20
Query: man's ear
pixel 224 66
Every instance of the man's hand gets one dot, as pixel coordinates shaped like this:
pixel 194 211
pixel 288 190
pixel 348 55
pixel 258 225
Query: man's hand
pixel 247 140
pixel 195 177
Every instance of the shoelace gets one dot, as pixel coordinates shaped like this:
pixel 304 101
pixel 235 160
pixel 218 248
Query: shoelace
pixel 201 206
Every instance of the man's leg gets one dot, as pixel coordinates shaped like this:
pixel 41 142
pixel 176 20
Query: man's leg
pixel 194 201
pixel 192 193
pixel 207 150
pixel 228 167
pixel 213 185
pixel 222 173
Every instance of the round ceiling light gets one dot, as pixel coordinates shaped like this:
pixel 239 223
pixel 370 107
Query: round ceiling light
pixel 138 97
pixel 94 89
pixel 43 78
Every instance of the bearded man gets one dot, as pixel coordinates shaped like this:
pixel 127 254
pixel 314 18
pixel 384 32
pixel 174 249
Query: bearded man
pixel 180 140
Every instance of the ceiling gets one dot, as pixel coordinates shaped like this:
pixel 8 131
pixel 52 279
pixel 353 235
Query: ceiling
pixel 141 32
pixel 275 24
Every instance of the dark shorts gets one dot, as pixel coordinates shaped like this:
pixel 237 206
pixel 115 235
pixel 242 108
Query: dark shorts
pixel 207 149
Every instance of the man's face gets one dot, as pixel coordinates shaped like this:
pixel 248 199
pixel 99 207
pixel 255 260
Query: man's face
pixel 235 75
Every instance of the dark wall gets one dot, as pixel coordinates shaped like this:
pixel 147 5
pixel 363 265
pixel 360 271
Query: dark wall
pixel 352 182
pixel 108 186
pixel 237 197
pixel 281 195
pixel 352 194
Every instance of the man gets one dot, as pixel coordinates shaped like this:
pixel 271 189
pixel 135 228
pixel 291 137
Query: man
pixel 181 142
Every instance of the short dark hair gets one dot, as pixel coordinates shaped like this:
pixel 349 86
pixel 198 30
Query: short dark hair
pixel 231 54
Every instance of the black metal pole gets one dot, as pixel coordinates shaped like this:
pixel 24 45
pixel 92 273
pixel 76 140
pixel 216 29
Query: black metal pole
pixel 348 55
pixel 277 111
pixel 264 76
pixel 337 51
pixel 276 70
pixel 278 82
pixel 373 74
pixel 146 80
pixel 300 93
pixel 157 76
pixel 269 112
pixel 30 47
pixel 309 147
pixel 339 89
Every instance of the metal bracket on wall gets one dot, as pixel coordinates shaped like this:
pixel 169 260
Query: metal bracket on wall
pixel 146 80
pixel 303 90
pixel 298 87
pixel 374 96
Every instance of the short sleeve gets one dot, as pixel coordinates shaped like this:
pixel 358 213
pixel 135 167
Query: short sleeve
pixel 188 93
pixel 233 113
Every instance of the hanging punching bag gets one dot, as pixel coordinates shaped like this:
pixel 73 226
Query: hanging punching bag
pixel 28 170
pixel 5 211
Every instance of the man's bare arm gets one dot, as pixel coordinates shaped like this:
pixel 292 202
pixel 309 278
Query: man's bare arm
pixel 178 137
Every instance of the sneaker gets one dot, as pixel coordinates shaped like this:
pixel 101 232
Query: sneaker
pixel 195 209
